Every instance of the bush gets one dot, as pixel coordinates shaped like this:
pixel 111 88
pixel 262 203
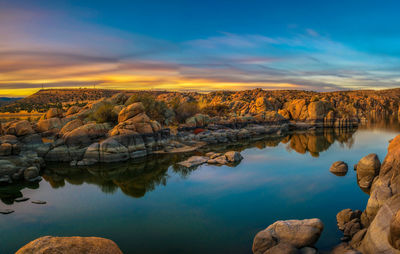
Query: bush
pixel 215 110
pixel 185 110
pixel 104 113
pixel 154 109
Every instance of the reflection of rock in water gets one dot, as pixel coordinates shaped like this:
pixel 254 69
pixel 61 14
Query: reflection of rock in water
pixel 137 178
pixel 316 142
pixel 134 179
pixel 9 193
pixel 381 121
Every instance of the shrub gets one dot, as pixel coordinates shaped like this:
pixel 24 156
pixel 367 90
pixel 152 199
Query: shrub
pixel 154 109
pixel 215 110
pixel 185 110
pixel 104 113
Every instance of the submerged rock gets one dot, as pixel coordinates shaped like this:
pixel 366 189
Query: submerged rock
pixel 70 245
pixel 193 161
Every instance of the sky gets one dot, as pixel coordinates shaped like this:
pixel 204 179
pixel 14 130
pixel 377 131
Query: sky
pixel 198 45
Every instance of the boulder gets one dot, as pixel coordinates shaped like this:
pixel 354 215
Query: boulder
pixel 111 150
pixel 318 110
pixel 339 168
pixel 193 161
pixel 367 168
pixel 31 173
pixel 18 128
pixel 72 110
pixel 233 156
pixel 70 245
pixel 394 231
pixel 70 126
pixel 298 109
pixel 51 124
pixel 379 238
pixel 86 134
pixel 297 233
pixel 351 228
pixel 6 149
pixel 386 184
pixel 130 111
pixel 345 216
pixel 344 248
pixel 53 112
pixel 283 248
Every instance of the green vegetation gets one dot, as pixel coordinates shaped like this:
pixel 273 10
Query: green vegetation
pixel 104 114
pixel 184 110
pixel 154 109
pixel 215 110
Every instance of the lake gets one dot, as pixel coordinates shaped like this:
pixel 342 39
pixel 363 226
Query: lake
pixel 154 206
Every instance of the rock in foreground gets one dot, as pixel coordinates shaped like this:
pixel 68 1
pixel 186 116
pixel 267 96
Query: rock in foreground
pixel 292 235
pixel 70 245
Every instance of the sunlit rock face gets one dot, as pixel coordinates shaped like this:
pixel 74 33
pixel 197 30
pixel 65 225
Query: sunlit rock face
pixel 288 236
pixel 381 214
pixel 367 169
pixel 70 245
pixel 387 183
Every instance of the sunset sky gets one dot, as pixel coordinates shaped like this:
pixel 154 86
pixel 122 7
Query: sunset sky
pixel 198 45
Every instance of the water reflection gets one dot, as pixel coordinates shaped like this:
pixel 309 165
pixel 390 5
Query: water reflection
pixel 135 179
pixel 11 192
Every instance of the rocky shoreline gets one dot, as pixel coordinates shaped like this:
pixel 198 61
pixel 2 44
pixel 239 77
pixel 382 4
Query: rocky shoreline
pixel 73 137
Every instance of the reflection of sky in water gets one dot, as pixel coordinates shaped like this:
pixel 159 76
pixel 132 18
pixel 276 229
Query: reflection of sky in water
pixel 212 210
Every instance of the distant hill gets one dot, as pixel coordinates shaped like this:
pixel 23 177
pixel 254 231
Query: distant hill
pixel 8 100
pixel 44 99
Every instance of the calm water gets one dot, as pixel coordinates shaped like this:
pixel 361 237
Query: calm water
pixel 156 207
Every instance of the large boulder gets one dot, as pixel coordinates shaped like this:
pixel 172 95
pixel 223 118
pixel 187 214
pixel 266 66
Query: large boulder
pixel 53 112
pixel 52 124
pixel 318 110
pixel 18 128
pixel 70 245
pixel 367 168
pixel 298 109
pixel 110 150
pixel 140 123
pixel 86 134
pixel 297 233
pixel 130 111
pixel 386 184
pixel 382 232
pixel 70 126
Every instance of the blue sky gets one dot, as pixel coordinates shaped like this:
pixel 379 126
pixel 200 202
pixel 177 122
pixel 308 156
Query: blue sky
pixel 199 45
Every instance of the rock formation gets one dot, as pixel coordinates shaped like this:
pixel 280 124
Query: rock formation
pixel 70 245
pixel 289 236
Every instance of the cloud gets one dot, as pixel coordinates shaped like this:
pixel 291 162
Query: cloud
pixel 50 47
